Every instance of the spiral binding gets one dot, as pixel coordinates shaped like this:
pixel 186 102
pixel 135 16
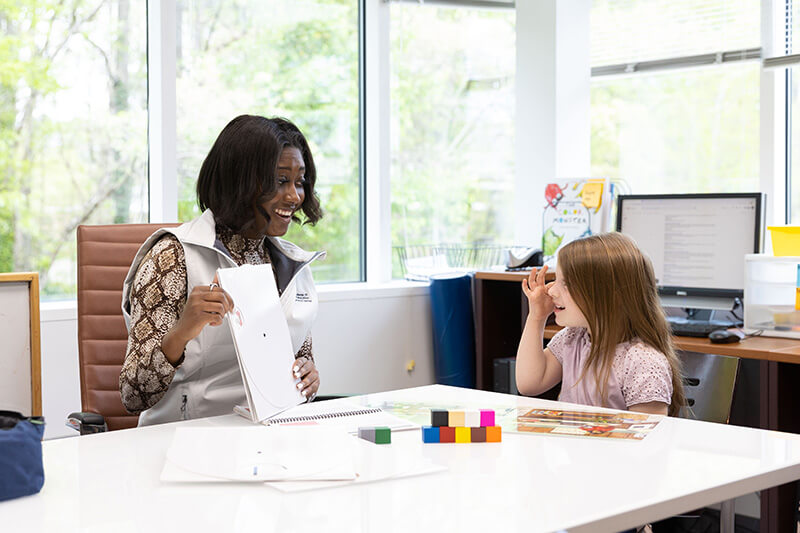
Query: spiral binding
pixel 322 416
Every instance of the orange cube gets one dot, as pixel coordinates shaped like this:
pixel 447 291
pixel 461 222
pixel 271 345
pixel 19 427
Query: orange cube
pixel 493 434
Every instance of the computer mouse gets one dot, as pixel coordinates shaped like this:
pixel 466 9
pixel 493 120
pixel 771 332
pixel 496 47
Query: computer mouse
pixel 724 336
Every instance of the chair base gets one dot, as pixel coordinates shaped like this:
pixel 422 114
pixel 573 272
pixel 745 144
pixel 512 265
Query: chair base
pixel 707 520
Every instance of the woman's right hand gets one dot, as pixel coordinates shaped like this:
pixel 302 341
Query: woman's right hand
pixel 206 304
pixel 540 304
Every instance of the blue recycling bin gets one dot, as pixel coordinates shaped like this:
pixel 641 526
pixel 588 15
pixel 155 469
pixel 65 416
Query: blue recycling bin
pixel 453 329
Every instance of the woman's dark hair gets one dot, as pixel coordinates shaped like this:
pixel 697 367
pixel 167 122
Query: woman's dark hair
pixel 240 170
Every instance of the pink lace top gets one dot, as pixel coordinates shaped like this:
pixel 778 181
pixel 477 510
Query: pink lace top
pixel 639 372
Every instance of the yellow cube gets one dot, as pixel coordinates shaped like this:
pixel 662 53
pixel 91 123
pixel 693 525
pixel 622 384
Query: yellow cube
pixel 463 434
pixel 456 419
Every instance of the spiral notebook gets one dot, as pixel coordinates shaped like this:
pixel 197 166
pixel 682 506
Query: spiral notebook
pixel 347 415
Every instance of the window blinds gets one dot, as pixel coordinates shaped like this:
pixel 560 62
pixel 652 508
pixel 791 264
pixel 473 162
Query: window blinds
pixel 493 4
pixel 787 49
pixel 637 35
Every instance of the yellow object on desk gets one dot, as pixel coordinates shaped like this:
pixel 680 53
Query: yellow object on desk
pixel 785 240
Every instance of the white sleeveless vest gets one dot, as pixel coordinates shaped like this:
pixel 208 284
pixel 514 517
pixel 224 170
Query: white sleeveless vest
pixel 208 382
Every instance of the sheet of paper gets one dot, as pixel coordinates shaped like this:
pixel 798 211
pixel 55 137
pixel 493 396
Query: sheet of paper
pixel 374 462
pixel 262 339
pixel 258 453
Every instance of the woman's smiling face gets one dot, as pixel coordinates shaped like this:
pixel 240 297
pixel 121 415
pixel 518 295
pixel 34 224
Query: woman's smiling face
pixel 289 197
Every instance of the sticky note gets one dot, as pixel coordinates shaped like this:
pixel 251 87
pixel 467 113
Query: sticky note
pixel 592 194
pixel 463 434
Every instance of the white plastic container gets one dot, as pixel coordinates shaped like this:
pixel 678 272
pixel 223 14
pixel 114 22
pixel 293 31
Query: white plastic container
pixel 770 292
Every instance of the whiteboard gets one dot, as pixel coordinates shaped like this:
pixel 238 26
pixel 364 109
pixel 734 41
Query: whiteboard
pixel 20 373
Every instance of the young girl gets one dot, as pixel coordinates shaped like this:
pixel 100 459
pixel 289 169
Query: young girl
pixel 616 347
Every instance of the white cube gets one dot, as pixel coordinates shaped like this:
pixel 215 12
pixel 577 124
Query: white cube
pixel 472 419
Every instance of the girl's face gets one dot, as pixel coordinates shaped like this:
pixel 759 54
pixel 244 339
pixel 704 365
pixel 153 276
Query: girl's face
pixel 290 195
pixel 566 310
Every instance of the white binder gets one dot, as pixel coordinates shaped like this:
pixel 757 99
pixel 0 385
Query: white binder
pixel 261 336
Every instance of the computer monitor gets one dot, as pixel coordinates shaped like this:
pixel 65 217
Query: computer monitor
pixel 696 242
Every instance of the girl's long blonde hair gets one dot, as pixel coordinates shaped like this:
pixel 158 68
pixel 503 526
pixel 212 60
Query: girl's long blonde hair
pixel 614 286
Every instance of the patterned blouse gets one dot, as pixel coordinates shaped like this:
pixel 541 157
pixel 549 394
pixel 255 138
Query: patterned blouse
pixel 158 296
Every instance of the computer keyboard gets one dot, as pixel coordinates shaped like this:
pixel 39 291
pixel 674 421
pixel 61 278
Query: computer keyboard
pixel 687 327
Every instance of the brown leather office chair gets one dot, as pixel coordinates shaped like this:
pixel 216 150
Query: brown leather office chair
pixel 105 254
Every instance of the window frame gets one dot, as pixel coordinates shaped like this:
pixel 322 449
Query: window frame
pixel 374 44
pixel 775 108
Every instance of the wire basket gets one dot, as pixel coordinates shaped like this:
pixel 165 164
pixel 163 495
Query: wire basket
pixel 420 261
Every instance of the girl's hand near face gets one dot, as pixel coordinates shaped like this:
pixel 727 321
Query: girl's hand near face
pixel 540 304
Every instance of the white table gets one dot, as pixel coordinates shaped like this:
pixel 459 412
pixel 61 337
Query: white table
pixel 110 482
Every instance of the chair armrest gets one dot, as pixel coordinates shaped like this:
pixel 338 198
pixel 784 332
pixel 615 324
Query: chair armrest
pixel 87 423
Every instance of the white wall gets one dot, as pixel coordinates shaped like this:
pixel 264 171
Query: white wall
pixel 553 133
pixel 364 338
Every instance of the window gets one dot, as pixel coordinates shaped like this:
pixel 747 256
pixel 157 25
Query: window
pixel 452 125
pixel 790 47
pixel 296 59
pixel 73 130
pixel 675 95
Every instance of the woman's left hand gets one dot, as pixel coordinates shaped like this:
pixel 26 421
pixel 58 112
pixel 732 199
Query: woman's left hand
pixel 305 369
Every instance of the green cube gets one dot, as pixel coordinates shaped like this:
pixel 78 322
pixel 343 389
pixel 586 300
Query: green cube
pixel 383 435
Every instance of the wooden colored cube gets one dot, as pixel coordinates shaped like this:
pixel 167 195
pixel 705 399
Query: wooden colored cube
pixel 472 419
pixel 430 434
pixel 463 434
pixel 367 433
pixel 439 417
pixel 378 435
pixel 478 434
pixel 447 434
pixel 493 434
pixel 456 419
pixel 487 417
pixel 383 435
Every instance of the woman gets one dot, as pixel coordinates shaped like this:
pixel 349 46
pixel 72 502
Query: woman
pixel 255 179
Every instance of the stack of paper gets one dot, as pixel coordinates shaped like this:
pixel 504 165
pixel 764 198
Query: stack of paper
pixel 289 458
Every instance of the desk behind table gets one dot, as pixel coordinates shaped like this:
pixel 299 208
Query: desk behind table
pixel 500 313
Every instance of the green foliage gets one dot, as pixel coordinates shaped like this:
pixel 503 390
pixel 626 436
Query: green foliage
pixel 67 158
pixel 297 60
pixel 677 132
pixel 453 123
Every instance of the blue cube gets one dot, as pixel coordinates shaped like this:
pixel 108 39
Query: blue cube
pixel 430 434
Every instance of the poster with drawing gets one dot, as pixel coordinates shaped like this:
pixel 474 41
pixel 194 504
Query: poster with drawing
pixel 574 208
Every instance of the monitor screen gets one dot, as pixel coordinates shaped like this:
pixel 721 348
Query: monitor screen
pixel 696 242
